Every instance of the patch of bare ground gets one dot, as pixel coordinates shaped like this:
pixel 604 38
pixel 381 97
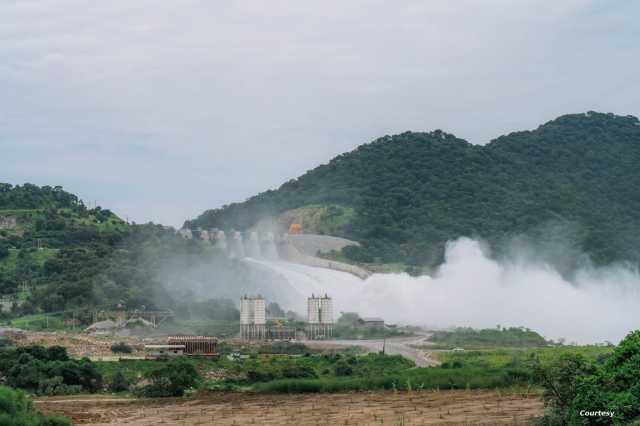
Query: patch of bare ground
pixel 478 407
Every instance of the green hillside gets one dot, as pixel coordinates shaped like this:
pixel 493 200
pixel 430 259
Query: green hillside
pixel 58 255
pixel 569 186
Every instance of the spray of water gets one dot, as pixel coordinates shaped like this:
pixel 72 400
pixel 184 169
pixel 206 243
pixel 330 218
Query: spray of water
pixel 472 289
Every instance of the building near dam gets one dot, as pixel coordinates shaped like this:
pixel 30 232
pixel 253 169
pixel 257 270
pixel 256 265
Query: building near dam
pixel 319 317
pixel 254 324
pixel 253 318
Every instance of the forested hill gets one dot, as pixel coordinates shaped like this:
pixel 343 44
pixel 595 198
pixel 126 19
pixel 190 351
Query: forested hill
pixel 57 255
pixel 572 182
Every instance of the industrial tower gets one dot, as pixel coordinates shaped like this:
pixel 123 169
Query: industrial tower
pixel 319 317
pixel 253 319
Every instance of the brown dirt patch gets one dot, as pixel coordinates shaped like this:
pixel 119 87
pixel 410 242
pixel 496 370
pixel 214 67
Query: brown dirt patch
pixel 363 408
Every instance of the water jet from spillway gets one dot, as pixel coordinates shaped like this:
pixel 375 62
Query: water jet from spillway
pixel 471 289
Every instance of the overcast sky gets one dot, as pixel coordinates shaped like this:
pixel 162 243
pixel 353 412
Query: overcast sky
pixel 161 109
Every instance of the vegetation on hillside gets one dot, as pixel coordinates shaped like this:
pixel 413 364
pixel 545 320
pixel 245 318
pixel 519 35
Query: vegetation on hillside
pixel 16 409
pixel 61 256
pixel 569 187
pixel 48 371
pixel 502 337
pixel 574 383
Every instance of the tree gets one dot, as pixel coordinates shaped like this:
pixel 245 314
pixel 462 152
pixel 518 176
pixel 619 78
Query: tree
pixel 16 409
pixel 119 383
pixel 571 385
pixel 172 379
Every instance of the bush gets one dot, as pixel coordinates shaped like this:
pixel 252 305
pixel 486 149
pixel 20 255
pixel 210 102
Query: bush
pixel 48 371
pixel 571 384
pixel 342 368
pixel 260 375
pixel 121 347
pixel 172 379
pixel 16 410
pixel 119 383
pixel 299 372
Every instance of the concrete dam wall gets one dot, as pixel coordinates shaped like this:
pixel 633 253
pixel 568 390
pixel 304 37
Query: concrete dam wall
pixel 295 248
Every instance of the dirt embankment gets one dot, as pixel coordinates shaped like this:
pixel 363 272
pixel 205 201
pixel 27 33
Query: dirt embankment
pixel 366 408
pixel 79 344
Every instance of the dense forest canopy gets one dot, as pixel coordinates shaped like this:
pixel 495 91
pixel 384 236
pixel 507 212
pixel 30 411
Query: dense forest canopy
pixel 573 181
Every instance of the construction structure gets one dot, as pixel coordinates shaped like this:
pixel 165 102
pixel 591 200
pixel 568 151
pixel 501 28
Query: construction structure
pixel 195 345
pixel 277 330
pixel 319 317
pixel 183 345
pixel 161 351
pixel 253 318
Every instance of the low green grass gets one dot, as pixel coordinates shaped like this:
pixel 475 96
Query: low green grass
pixel 519 357
pixel 38 322
pixel 415 379
pixel 488 338
pixel 9 262
pixel 40 256
pixel 313 373
pixel 247 372
pixel 135 369
pixel 37 257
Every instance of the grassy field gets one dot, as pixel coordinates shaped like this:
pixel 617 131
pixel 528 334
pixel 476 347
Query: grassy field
pixel 518 357
pixel 415 379
pixel 329 373
pixel 470 338
pixel 9 262
pixel 38 322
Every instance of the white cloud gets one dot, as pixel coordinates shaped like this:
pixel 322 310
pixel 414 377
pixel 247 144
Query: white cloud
pixel 230 98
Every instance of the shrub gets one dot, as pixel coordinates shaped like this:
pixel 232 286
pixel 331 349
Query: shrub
pixel 342 368
pixel 260 375
pixel 16 410
pixel 121 347
pixel 571 384
pixel 172 379
pixel 299 372
pixel 56 386
pixel 119 383
pixel 48 371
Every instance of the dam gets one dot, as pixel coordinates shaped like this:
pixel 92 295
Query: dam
pixel 301 249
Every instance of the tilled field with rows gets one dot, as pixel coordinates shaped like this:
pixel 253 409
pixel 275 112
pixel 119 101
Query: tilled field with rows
pixel 365 408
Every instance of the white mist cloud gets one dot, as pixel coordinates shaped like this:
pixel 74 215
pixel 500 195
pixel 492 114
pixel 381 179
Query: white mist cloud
pixel 471 289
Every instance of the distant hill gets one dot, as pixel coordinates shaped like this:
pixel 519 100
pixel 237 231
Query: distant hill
pixel 56 254
pixel 571 186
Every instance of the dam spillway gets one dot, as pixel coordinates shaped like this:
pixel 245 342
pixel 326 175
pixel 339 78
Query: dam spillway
pixel 295 248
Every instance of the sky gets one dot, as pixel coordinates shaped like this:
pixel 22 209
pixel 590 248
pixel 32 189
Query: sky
pixel 159 110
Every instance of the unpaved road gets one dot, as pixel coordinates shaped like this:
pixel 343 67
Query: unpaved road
pixel 363 408
pixel 393 346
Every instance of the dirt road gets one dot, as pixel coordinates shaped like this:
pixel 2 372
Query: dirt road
pixel 393 346
pixel 365 408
